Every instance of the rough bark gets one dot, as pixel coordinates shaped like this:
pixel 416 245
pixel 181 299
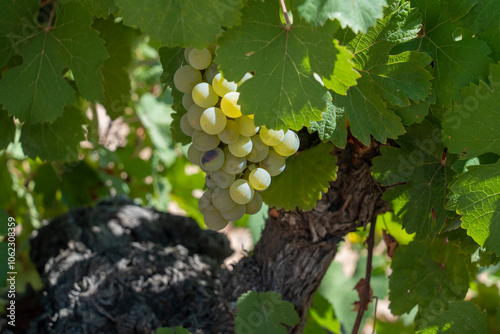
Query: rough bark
pixel 119 268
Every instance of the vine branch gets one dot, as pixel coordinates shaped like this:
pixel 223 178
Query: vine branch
pixel 285 14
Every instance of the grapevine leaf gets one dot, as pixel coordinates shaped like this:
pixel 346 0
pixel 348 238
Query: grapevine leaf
pixel 283 92
pixel 118 42
pixel 16 18
pixel 472 127
pixel 181 22
pixel 7 129
pixel 359 15
pixel 458 60
pixel 344 73
pixel 171 60
pixel 479 202
pixel 484 22
pixel 420 163
pixel 315 168
pixel 175 126
pixel 460 8
pixel 264 313
pixel 57 141
pixel 414 113
pixel 99 8
pixel 461 317
pixel 396 78
pixel 326 127
pixel 37 91
pixel 423 272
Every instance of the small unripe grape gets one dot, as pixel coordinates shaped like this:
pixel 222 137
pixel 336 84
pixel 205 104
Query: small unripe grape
pixel 230 133
pixel 271 137
pixel 214 220
pixel 233 164
pixel 222 86
pixel 241 147
pixel 187 101
pixel 204 142
pixel 204 95
pixel 259 150
pixel 247 126
pixel 229 105
pixel 194 115
pixel 259 179
pixel 186 128
pixel 212 160
pixel 241 191
pixel 289 145
pixel 223 179
pixel 236 213
pixel 186 78
pixel 273 163
pixel 213 121
pixel 254 205
pixel 222 200
pixel 194 155
pixel 200 59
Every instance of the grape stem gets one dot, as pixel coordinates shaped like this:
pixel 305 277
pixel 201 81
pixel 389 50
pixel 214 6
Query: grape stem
pixel 285 14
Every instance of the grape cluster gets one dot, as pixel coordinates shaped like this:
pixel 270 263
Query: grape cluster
pixel 238 157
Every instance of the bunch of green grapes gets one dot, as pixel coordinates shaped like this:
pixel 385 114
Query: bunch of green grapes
pixel 238 157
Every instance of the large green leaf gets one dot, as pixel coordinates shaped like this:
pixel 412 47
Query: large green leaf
pixel 57 141
pixel 359 15
pixel 484 22
pixel 283 92
pixel 472 127
pixel 181 22
pixel 264 313
pixel 99 8
pixel 420 163
pixel 479 202
pixel 423 272
pixel 304 180
pixel 459 57
pixel 385 78
pixel 37 91
pixel 7 129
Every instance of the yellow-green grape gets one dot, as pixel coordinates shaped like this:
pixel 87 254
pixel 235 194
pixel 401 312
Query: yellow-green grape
pixel 222 86
pixel 187 101
pixel 204 95
pixel 214 220
pixel 241 191
pixel 273 163
pixel 241 147
pixel 194 115
pixel 186 78
pixel 229 105
pixel 211 72
pixel 213 121
pixel 212 160
pixel 185 126
pixel 259 179
pixel 259 150
pixel 245 78
pixel 230 133
pixel 289 145
pixel 200 59
pixel 186 53
pixel 254 205
pixel 222 179
pixel 222 200
pixel 194 155
pixel 205 201
pixel 209 181
pixel 247 126
pixel 202 141
pixel 236 213
pixel 271 137
pixel 233 165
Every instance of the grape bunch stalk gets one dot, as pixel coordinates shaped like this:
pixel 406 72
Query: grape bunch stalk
pixel 238 157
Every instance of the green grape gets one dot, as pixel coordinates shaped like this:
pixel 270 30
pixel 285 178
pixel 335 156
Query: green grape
pixel 241 191
pixel 289 145
pixel 236 213
pixel 241 147
pixel 185 126
pixel 230 133
pixel 233 165
pixel 204 95
pixel 205 202
pixel 214 220
pixel 209 180
pixel 271 137
pixel 247 126
pixel 222 200
pixel 186 78
pixel 273 163
pixel 212 160
pixel 259 179
pixel 194 155
pixel 254 205
pixel 245 78
pixel 222 86
pixel 222 179
pixel 193 116
pixel 202 141
pixel 187 101
pixel 229 105
pixel 211 72
pixel 213 121
pixel 200 59
pixel 259 150
pixel 186 53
